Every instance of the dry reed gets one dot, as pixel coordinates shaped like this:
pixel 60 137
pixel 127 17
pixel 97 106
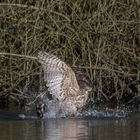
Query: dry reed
pixel 100 37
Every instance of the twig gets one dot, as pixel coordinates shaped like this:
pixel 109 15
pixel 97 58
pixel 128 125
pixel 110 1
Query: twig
pixel 132 100
pixel 108 69
pixel 18 55
pixel 41 94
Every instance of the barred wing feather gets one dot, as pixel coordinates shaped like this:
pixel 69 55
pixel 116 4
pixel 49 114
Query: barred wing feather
pixel 59 78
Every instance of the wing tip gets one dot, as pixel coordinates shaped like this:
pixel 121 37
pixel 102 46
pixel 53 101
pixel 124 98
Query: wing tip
pixel 41 54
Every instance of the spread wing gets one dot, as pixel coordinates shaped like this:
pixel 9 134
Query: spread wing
pixel 59 78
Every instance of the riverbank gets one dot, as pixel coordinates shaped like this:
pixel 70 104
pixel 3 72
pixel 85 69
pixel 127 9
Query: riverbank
pixel 100 37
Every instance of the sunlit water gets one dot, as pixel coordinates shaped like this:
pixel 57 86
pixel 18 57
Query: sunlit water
pixel 100 127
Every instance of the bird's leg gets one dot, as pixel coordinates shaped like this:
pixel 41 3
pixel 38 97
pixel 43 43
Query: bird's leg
pixel 40 106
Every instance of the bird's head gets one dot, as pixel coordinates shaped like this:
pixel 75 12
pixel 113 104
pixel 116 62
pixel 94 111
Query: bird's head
pixel 83 80
pixel 85 83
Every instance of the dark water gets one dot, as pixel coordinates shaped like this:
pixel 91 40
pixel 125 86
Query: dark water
pixel 71 129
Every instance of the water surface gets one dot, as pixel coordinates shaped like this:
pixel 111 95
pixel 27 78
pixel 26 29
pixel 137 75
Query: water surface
pixel 104 128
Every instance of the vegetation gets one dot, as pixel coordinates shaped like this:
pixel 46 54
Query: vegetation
pixel 101 37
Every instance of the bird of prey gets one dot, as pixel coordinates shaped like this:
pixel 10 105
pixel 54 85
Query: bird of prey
pixel 67 88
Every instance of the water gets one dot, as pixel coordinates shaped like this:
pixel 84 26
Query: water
pixel 95 128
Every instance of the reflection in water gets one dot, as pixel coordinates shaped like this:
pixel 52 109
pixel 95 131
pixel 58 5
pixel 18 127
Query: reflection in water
pixel 72 129
pixel 64 129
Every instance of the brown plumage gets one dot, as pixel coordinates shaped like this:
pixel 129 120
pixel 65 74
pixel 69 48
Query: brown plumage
pixel 67 89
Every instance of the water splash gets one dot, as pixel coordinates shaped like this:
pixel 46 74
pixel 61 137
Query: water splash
pixel 92 112
pixel 89 113
pixel 80 114
pixel 26 117
pixel 102 114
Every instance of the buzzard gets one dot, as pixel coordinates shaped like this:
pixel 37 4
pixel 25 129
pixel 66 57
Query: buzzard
pixel 67 87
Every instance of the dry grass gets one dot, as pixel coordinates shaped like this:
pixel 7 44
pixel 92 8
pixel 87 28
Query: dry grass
pixel 100 37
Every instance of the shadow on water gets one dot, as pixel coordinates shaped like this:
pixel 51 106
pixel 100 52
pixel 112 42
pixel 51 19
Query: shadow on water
pixel 72 129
